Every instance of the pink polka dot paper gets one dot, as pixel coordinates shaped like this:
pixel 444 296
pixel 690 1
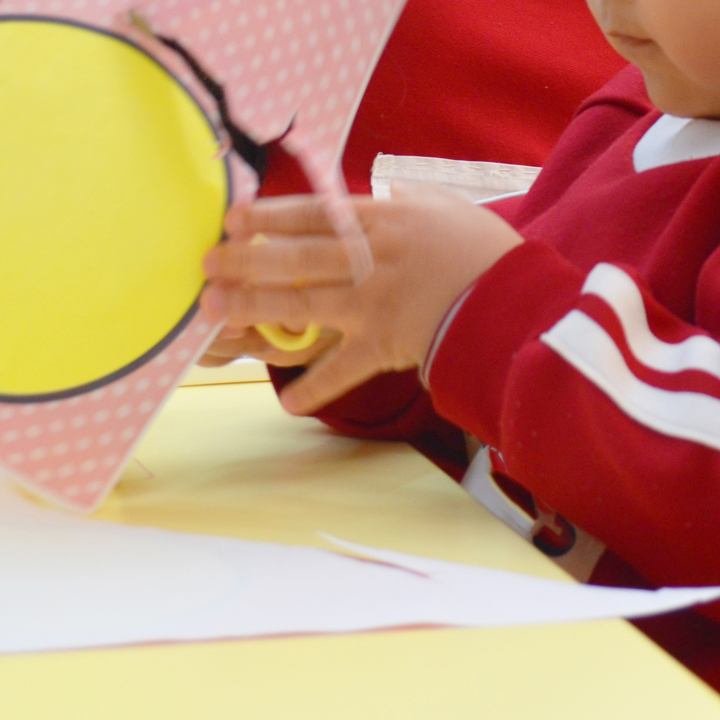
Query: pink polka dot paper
pixel 304 62
pixel 72 451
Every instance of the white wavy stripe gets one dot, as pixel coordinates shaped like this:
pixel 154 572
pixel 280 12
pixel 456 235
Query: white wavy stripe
pixel 586 346
pixel 619 291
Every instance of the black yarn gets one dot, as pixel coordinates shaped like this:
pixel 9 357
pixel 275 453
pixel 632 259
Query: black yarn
pixel 253 154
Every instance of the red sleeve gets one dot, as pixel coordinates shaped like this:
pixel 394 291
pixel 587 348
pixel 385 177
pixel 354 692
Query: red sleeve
pixel 601 401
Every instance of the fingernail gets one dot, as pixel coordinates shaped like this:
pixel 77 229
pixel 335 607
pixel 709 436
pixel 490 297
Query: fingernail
pixel 289 403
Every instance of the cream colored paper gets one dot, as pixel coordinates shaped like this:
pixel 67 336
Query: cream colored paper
pixel 226 460
pixel 475 181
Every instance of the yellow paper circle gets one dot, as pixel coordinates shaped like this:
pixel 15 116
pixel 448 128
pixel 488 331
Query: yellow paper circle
pixel 110 195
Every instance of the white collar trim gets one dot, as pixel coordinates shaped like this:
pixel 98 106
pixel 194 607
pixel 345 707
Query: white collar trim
pixel 674 140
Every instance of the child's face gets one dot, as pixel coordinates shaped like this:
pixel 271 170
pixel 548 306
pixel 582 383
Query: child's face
pixel 676 44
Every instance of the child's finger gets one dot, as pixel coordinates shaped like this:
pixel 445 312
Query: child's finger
pixel 231 333
pixel 211 361
pixel 310 260
pixel 290 307
pixel 252 344
pixel 339 370
pixel 294 214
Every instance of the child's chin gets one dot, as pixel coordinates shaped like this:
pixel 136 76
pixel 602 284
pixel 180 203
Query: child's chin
pixel 681 99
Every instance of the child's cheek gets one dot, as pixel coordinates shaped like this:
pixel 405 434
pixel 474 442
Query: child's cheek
pixel 689 34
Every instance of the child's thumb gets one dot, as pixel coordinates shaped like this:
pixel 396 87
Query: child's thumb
pixel 341 369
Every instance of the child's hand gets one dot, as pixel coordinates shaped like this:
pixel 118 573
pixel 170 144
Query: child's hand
pixel 428 246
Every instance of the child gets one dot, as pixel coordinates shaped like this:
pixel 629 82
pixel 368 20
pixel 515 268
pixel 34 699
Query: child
pixel 578 339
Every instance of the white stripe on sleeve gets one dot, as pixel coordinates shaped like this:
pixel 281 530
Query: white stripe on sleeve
pixel 621 293
pixel 586 345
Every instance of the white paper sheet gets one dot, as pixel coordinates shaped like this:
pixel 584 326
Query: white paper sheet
pixel 68 582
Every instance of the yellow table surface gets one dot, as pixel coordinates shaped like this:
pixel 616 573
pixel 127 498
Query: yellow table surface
pixel 226 460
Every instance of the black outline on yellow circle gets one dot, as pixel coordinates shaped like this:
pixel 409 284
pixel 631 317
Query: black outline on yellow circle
pixel 192 310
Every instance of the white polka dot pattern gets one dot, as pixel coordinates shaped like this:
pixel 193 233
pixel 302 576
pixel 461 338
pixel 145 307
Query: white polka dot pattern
pixel 72 451
pixel 329 45
pixel 304 62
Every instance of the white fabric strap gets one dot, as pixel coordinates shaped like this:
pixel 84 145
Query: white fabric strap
pixel 579 561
